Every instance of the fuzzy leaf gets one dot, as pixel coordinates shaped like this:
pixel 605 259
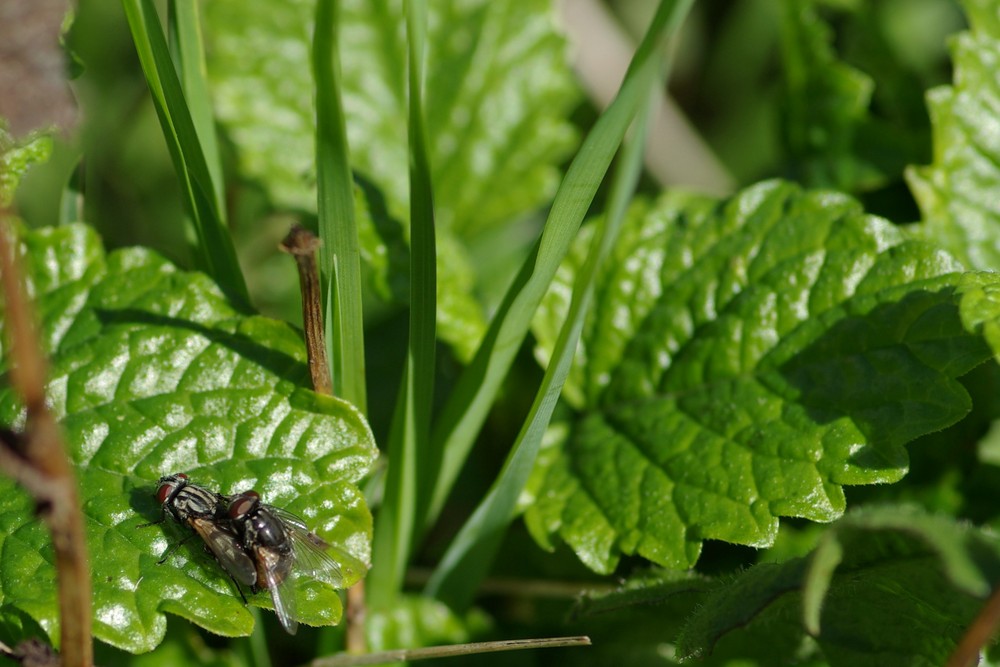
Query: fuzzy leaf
pixel 498 90
pixel 826 103
pixel 744 361
pixel 16 158
pixel 153 372
pixel 956 193
pixel 886 586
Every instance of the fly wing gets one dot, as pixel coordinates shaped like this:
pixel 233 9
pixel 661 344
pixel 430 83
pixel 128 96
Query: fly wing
pixel 274 574
pixel 227 550
pixel 312 553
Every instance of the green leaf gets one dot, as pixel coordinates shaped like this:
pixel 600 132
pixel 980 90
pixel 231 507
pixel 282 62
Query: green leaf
pixel 491 159
pixel 826 103
pixel 16 158
pixel 885 586
pixel 634 623
pixel 152 371
pixel 955 192
pixel 653 607
pixel 744 361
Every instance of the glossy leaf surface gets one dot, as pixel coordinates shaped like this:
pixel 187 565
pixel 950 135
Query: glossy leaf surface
pixel 745 360
pixel 151 372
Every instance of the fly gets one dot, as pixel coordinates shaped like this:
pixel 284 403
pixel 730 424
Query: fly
pixel 204 512
pixel 282 549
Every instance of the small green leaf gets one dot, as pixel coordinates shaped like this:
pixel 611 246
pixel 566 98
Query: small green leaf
pixel 498 92
pixel 151 372
pixel 956 191
pixel 826 103
pixel 743 362
pixel 886 586
pixel 16 158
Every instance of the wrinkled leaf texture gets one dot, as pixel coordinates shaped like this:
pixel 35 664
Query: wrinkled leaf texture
pixel 957 192
pixel 885 586
pixel 744 360
pixel 498 92
pixel 153 372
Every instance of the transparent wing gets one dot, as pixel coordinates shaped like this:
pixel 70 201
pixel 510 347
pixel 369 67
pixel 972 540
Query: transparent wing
pixel 274 574
pixel 227 550
pixel 313 557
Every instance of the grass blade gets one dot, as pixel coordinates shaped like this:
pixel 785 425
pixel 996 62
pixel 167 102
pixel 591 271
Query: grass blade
pixel 340 255
pixel 214 252
pixel 186 43
pixel 412 466
pixel 468 404
pixel 470 554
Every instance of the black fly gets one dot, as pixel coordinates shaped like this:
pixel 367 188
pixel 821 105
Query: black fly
pixel 282 549
pixel 204 512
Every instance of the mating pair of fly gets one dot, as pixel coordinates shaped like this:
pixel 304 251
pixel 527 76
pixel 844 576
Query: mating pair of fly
pixel 258 545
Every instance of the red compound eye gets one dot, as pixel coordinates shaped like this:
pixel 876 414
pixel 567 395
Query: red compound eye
pixel 243 504
pixel 163 492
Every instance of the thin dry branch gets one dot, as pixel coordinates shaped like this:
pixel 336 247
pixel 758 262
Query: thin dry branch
pixel 37 460
pixel 978 634
pixel 302 245
pixel 451 650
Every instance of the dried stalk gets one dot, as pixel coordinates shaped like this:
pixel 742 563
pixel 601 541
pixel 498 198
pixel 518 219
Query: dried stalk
pixel 302 245
pixel 978 634
pixel 451 650
pixel 37 460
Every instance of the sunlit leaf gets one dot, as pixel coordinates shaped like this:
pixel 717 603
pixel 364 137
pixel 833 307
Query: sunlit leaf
pixel 151 372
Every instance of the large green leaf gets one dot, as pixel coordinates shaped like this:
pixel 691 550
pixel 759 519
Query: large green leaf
pixel 889 585
pixel 498 90
pixel 152 371
pixel 885 586
pixel 956 193
pixel 744 360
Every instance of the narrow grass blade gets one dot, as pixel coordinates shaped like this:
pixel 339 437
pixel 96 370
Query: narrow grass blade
pixel 215 252
pixel 470 554
pixel 340 255
pixel 186 44
pixel 468 404
pixel 412 465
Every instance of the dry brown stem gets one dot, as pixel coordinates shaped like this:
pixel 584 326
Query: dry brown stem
pixel 302 245
pixel 37 460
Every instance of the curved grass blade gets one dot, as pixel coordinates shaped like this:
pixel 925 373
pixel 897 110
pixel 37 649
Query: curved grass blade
pixel 471 552
pixel 468 404
pixel 214 251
